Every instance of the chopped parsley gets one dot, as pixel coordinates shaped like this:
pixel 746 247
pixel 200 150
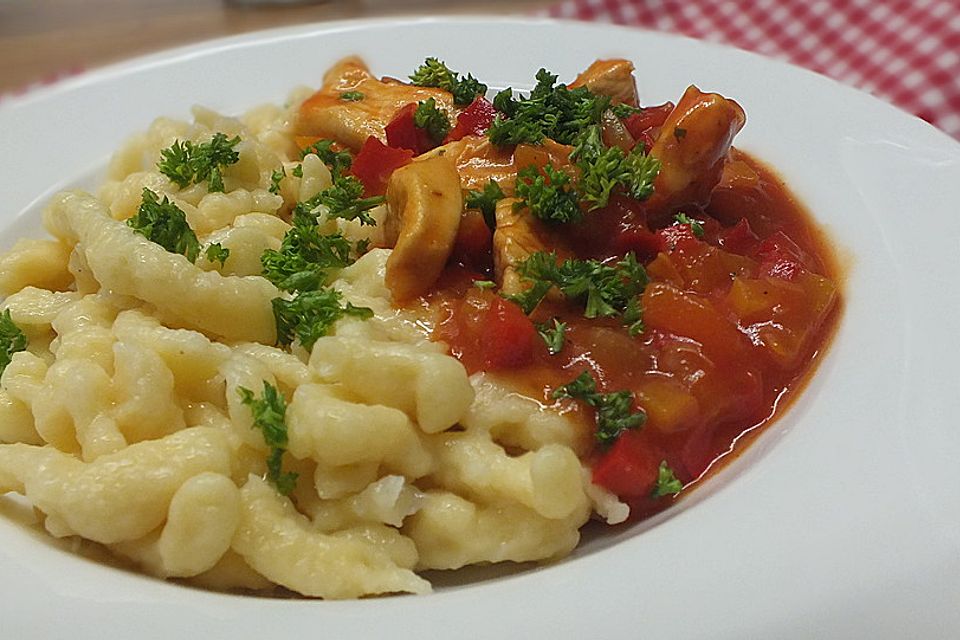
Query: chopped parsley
pixel 216 252
pixel 186 162
pixel 554 336
pixel 351 96
pixel 338 161
pixel 667 483
pixel 605 289
pixel 275 178
pixel 269 412
pixel 305 256
pixel 297 171
pixel 344 199
pixel 550 111
pixel 602 169
pixel 162 222
pixel 695 225
pixel 434 73
pixel 485 201
pixel 614 410
pixel 549 197
pixel 484 284
pixel 302 266
pixel 309 315
pixel 432 120
pixel 624 110
pixel 12 339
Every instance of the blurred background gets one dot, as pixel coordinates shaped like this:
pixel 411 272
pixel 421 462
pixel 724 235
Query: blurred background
pixel 906 52
pixel 44 40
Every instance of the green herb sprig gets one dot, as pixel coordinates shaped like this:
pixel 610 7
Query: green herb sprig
pixel 551 110
pixel 605 290
pixel 614 410
pixel 434 73
pixel 602 169
pixel 269 414
pixel 667 482
pixel 432 120
pixel 553 335
pixel 163 222
pixel 216 252
pixel 485 201
pixel 696 227
pixel 338 161
pixel 309 315
pixel 12 339
pixel 188 162
pixel 549 195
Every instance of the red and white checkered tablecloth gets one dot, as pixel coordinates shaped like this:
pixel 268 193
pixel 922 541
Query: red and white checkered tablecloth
pixel 904 51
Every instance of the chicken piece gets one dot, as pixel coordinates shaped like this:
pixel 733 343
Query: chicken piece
pixel 479 161
pixel 612 78
pixel 516 237
pixel 692 146
pixel 327 115
pixel 423 215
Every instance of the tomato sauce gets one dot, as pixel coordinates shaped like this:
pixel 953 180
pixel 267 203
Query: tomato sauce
pixel 735 315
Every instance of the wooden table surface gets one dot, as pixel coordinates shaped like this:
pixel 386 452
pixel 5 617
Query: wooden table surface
pixel 41 40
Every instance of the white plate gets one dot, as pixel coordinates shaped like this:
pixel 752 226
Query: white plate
pixel 843 520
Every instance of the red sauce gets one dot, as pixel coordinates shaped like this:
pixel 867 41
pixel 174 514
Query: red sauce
pixel 733 324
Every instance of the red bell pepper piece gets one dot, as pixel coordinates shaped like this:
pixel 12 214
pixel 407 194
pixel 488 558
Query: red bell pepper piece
pixel 403 133
pixel 474 120
pixel 780 257
pixel 374 164
pixel 509 336
pixel 739 238
pixel 630 468
pixel 676 235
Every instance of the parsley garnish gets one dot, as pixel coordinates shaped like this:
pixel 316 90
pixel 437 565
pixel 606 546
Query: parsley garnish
pixel 216 252
pixel 344 199
pixel 553 336
pixel 351 96
pixel 604 168
pixel 624 110
pixel 297 171
pixel 305 256
pixel 12 339
pixel 186 162
pixel 549 196
pixel 309 315
pixel 549 111
pixel 667 483
pixel 269 412
pixel 605 289
pixel 164 223
pixel 338 161
pixel 434 73
pixel 275 178
pixel 485 201
pixel 484 284
pixel 429 118
pixel 302 266
pixel 695 225
pixel 614 410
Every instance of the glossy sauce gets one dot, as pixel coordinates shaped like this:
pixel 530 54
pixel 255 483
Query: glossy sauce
pixel 734 323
